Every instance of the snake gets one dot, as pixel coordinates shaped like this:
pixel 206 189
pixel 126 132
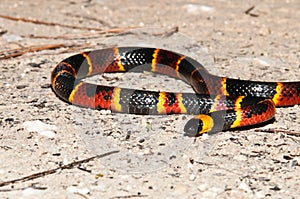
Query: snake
pixel 218 104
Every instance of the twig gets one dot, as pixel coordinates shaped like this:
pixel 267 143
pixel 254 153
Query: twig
pixel 248 12
pixel 84 36
pixel 47 23
pixel 204 163
pixel 129 196
pixel 168 33
pixel 51 171
pixel 278 131
pixel 20 51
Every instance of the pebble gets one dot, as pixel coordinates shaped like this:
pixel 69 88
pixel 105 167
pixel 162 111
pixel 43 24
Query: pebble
pixel 295 152
pixel 202 187
pixel 209 194
pixel 296 162
pixel 192 177
pixel 74 189
pixel 195 9
pixel 12 37
pixel 190 165
pixel 205 136
pixel 102 187
pixel 240 157
pixel 180 189
pixel 244 187
pixel 31 191
pixel 262 61
pixel 41 128
pixel 105 112
pixel 260 194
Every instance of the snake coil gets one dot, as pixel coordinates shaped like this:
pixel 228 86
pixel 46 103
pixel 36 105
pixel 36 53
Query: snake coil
pixel 219 104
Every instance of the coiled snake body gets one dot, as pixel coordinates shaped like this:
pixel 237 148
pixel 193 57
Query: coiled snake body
pixel 220 103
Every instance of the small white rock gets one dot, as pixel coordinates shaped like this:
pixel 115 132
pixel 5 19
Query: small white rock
pixel 83 191
pixel 192 177
pixel 202 187
pixel 205 136
pixel 105 112
pixel 240 157
pixel 209 194
pixel 180 189
pixel 195 9
pixel 217 190
pixel 262 62
pixel 74 189
pixel 190 165
pixel 31 191
pixel 260 194
pixel 12 37
pixel 40 127
pixel 102 187
pixel 244 187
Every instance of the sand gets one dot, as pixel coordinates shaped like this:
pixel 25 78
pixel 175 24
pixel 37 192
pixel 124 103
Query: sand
pixel 257 40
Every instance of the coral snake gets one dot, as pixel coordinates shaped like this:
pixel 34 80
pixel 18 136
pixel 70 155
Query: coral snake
pixel 219 104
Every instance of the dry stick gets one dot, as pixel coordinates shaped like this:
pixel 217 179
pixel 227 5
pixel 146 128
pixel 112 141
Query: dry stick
pixel 168 33
pixel 47 23
pixel 18 52
pixel 129 196
pixel 84 36
pixel 248 12
pixel 51 171
pixel 278 131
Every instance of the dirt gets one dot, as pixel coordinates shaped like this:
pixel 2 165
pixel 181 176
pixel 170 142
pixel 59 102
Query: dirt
pixel 257 40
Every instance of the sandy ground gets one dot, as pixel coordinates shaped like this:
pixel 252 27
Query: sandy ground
pixel 154 160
